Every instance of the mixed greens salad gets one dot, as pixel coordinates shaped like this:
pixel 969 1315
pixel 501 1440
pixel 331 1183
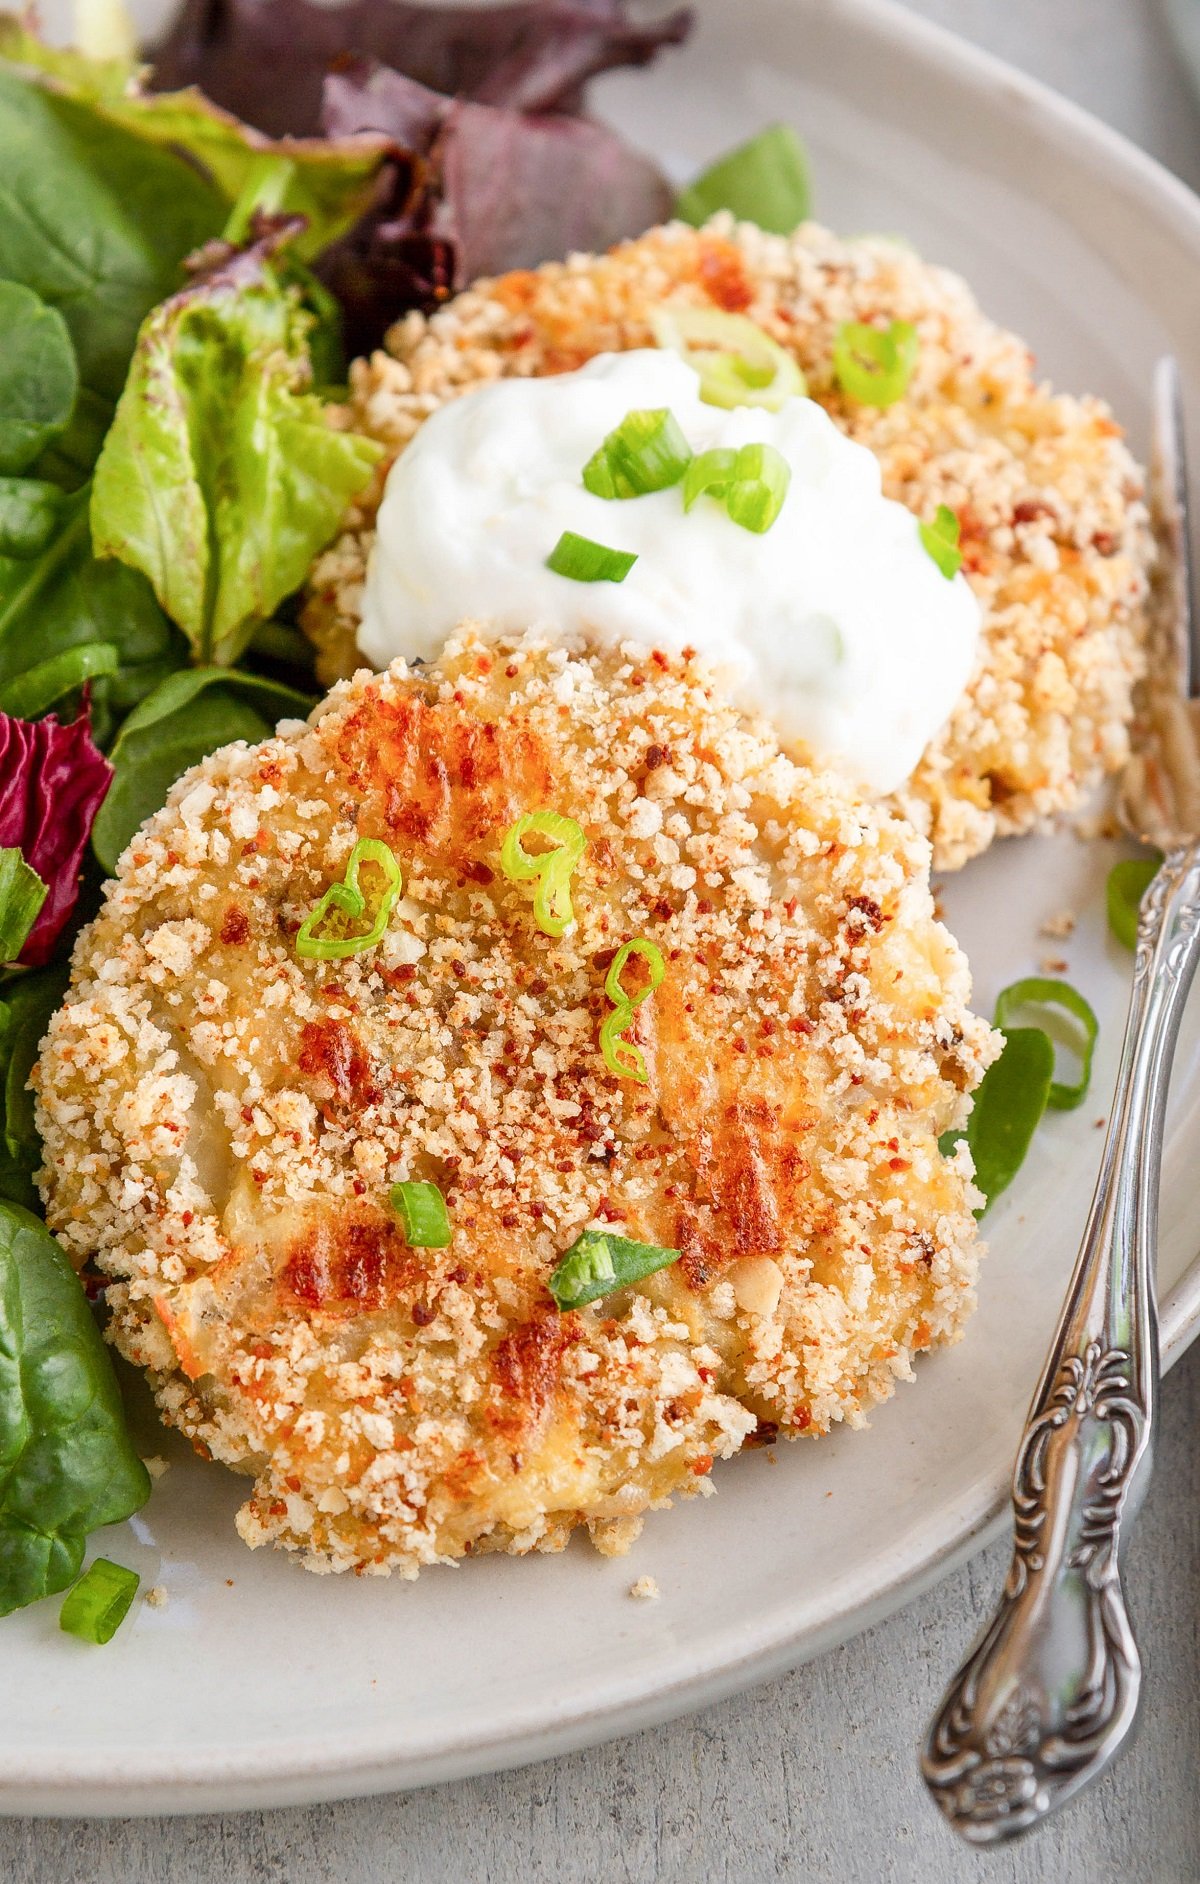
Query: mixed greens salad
pixel 187 253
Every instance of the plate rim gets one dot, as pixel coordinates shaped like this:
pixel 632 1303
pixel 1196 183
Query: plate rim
pixel 278 1777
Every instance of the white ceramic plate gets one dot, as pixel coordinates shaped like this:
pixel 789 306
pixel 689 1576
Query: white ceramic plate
pixel 260 1685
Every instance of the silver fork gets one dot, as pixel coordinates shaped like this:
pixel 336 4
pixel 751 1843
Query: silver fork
pixel 1050 1690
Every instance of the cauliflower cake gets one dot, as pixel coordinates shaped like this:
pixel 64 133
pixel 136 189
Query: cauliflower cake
pixel 1050 503
pixel 223 1118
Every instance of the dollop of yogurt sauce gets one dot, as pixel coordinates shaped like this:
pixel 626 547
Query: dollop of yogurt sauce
pixel 835 622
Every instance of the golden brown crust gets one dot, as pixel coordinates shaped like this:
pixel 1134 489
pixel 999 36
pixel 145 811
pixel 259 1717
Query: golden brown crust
pixel 222 1119
pixel 1050 502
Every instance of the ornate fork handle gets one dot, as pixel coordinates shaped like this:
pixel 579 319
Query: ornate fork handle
pixel 1048 1693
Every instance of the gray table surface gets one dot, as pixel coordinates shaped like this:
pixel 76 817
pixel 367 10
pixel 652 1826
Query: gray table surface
pixel 812 1778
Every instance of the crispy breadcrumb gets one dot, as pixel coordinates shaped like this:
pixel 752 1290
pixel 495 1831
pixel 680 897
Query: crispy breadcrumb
pixel 1053 524
pixel 222 1119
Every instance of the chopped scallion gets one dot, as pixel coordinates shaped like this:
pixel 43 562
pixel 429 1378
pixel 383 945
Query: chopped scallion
pixel 22 894
pixel 422 1211
pixel 325 934
pixel 553 868
pixel 939 540
pixel 764 181
pixel 738 364
pixel 709 471
pixel 1127 883
pixel 646 452
pixel 1044 991
pixel 597 1263
pixel 874 365
pixel 584 561
pixel 97 1606
pixel 624 1057
pixel 757 487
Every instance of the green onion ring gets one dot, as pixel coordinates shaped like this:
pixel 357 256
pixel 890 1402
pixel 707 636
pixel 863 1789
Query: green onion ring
pixel 552 906
pixel 757 487
pixel 873 365
pixel 1127 883
pixel 646 452
pixel 738 364
pixel 939 540
pixel 99 1603
pixel 586 561
pixel 422 1211
pixel 1045 991
pixel 346 900
pixel 598 1262
pixel 624 1057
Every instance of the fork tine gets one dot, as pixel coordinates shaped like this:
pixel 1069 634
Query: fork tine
pixel 1169 500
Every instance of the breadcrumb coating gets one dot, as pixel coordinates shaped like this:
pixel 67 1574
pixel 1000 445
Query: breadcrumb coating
pixel 1050 504
pixel 222 1119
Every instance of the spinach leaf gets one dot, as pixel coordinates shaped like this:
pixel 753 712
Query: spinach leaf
pixel 182 721
pixel 96 221
pixel 38 377
pixel 67 1465
pixel 26 1005
pixel 221 478
pixel 56 598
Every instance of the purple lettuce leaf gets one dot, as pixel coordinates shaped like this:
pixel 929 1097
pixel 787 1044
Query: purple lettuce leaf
pixel 266 60
pixel 52 781
pixel 503 189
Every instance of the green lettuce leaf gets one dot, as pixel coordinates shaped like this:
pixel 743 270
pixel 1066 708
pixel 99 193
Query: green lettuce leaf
pixel 328 181
pixel 221 478
pixel 57 599
pixel 95 221
pixel 67 1465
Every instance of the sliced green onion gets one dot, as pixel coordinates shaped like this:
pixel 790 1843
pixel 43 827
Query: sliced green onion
pixel 1127 883
pixel 764 181
pixel 597 1263
pixel 344 903
pixel 758 486
pixel 422 1211
pixel 22 894
pixel 939 539
pixel 552 907
pixel 874 365
pixel 1042 991
pixel 99 1603
pixel 584 561
pixel 1009 1102
pixel 646 452
pixel 738 364
pixel 624 1057
pixel 709 471
pixel 601 477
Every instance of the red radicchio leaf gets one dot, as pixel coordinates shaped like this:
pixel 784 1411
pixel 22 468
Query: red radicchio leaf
pixel 504 189
pixel 266 59
pixel 52 781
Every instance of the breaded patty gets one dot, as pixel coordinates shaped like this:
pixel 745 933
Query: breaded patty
pixel 1049 500
pixel 223 1119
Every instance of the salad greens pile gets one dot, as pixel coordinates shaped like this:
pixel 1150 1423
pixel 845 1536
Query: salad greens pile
pixel 180 270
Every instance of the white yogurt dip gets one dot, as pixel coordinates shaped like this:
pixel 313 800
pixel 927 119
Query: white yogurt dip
pixel 835 622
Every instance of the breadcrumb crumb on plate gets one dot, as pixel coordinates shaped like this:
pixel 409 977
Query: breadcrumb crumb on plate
pixel 1049 500
pixel 223 1119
